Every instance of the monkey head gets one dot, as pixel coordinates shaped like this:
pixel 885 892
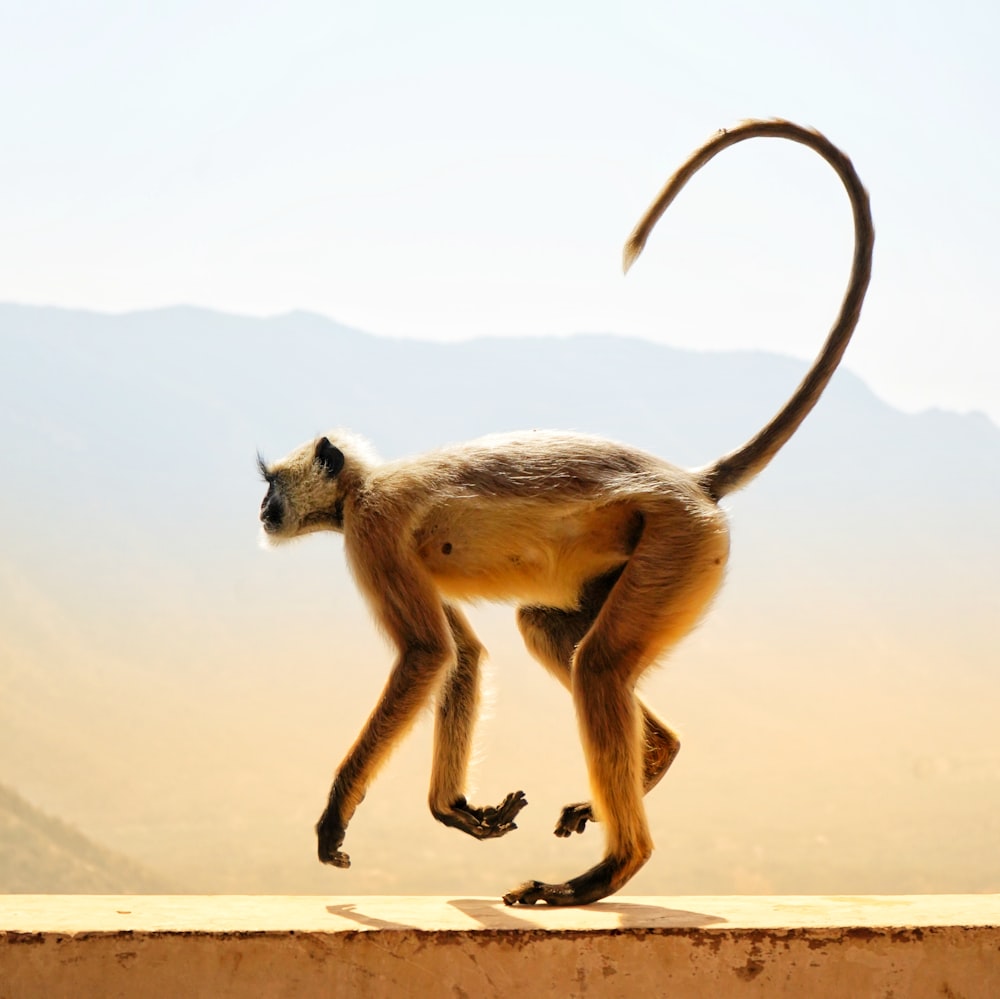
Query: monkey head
pixel 306 489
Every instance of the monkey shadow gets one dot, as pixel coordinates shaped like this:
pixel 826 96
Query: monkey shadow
pixel 494 915
pixel 349 910
pixel 497 916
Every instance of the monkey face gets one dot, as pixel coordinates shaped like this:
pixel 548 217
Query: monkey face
pixel 304 492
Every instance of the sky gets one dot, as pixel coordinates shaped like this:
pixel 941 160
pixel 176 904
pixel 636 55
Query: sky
pixel 450 170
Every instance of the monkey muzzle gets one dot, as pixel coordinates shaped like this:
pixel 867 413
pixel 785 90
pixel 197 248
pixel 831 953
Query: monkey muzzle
pixel 272 512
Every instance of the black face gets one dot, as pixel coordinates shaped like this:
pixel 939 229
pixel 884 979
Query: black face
pixel 272 507
pixel 277 514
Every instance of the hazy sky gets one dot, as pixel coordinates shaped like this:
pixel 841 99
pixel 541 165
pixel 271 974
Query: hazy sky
pixel 455 169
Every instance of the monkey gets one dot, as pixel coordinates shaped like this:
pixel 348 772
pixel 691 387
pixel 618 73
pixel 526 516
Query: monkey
pixel 611 555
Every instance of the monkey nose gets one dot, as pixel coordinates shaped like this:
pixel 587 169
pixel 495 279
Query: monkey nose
pixel 271 512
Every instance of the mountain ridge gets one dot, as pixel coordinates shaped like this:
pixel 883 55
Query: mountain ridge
pixel 183 695
pixel 40 854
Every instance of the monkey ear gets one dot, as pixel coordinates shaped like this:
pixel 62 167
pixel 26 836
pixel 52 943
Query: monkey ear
pixel 331 458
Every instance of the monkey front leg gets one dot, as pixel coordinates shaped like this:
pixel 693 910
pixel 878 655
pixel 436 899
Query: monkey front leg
pixel 409 686
pixel 457 709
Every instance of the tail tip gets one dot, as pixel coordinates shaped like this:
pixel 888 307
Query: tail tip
pixel 631 251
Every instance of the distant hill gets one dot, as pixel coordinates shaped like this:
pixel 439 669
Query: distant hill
pixel 184 696
pixel 41 855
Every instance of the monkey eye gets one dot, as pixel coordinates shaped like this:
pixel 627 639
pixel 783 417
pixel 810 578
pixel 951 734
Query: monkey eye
pixel 330 457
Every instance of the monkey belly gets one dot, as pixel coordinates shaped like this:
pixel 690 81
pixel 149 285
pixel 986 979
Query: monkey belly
pixel 529 554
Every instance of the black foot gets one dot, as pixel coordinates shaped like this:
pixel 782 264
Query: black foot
pixel 597 883
pixel 486 822
pixel 574 819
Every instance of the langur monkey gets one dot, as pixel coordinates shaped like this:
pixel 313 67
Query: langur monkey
pixel 611 554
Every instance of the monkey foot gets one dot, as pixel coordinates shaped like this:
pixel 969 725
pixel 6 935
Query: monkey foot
pixel 574 819
pixel 597 883
pixel 485 822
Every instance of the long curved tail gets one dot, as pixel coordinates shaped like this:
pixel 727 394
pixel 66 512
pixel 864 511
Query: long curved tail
pixel 738 467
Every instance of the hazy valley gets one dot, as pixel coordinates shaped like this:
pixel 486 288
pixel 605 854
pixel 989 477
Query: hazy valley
pixel 182 697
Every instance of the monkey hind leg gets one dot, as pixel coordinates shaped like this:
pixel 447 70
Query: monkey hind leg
pixel 457 708
pixel 661 746
pixel 661 593
pixel 610 721
pixel 552 635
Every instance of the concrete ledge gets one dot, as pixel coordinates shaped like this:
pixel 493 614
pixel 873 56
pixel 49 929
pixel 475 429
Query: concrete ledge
pixel 713 947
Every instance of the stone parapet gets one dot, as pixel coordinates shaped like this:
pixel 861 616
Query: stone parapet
pixel 907 947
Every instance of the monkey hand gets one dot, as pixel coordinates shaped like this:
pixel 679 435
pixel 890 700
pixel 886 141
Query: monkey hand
pixel 330 832
pixel 483 823
pixel 574 819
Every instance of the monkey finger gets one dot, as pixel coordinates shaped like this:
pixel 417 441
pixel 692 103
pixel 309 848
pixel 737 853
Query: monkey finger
pixel 510 806
pixel 486 822
pixel 337 859
pixel 500 820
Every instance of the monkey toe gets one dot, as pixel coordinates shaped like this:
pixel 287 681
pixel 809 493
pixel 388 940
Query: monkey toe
pixel 574 819
pixel 538 891
pixel 527 894
pixel 483 822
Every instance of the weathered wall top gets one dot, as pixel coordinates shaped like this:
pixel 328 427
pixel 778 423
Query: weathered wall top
pixel 263 946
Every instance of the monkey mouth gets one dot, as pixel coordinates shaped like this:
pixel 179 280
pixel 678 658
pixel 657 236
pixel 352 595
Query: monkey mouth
pixel 275 526
pixel 267 538
pixel 272 516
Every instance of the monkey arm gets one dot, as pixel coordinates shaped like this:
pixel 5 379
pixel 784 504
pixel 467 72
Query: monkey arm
pixel 409 687
pixel 457 709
